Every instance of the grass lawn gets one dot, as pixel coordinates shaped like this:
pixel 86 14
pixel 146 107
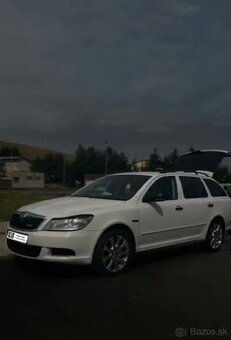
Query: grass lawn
pixel 10 200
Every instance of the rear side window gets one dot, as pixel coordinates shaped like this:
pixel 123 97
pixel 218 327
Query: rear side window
pixel 193 187
pixel 214 188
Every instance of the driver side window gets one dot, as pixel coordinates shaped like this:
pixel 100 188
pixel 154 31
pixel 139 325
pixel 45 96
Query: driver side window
pixel 164 189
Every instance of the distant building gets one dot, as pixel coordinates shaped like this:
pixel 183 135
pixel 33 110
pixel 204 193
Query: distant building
pixel 141 165
pixel 15 172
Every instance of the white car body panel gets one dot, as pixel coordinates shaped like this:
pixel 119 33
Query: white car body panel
pixel 153 225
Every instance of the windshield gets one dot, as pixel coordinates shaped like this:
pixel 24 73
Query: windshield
pixel 119 187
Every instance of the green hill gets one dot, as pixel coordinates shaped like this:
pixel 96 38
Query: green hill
pixel 31 152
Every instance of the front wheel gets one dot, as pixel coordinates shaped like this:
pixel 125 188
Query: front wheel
pixel 215 236
pixel 113 253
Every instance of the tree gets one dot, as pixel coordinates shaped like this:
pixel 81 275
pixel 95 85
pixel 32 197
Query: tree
pixel 52 165
pixel 6 151
pixel 155 161
pixel 117 162
pixel 170 160
pixel 92 161
pixel 222 175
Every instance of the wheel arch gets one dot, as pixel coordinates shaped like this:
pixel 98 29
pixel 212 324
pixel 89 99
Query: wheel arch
pixel 218 218
pixel 209 235
pixel 120 226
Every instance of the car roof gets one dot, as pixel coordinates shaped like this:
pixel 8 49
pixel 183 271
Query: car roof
pixel 157 173
pixel 139 173
pixel 197 163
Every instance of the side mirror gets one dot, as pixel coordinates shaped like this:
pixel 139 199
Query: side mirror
pixel 146 199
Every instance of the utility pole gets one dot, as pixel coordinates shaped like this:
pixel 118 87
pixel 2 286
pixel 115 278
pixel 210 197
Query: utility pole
pixel 64 171
pixel 106 157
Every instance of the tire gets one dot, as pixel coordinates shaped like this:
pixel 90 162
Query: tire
pixel 215 236
pixel 113 253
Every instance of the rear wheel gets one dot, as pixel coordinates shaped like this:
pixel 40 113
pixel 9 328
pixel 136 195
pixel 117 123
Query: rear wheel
pixel 114 252
pixel 215 236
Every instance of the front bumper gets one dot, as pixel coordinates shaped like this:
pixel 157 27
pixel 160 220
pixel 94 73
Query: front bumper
pixel 64 247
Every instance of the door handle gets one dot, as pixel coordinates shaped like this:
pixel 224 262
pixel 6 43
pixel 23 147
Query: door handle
pixel 210 205
pixel 178 208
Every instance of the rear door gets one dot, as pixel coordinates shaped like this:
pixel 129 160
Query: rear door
pixel 195 205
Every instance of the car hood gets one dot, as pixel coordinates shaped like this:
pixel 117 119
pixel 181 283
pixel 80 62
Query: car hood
pixel 68 206
pixel 201 160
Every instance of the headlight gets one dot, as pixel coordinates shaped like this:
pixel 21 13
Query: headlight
pixel 69 223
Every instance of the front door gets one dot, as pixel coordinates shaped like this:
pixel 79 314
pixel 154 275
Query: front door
pixel 161 219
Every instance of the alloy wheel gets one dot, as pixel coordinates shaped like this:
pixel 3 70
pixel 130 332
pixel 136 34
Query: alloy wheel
pixel 216 237
pixel 115 253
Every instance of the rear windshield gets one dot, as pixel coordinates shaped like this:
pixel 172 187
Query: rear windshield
pixel 117 187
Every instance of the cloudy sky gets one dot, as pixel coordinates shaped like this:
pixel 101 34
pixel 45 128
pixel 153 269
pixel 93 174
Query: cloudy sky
pixel 138 73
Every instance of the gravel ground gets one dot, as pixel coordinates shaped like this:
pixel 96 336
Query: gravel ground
pixel 3 247
pixel 3 228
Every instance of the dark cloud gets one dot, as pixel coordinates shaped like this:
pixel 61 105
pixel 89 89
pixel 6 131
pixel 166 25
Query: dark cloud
pixel 141 74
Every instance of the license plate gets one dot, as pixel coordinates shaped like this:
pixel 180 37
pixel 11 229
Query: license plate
pixel 11 235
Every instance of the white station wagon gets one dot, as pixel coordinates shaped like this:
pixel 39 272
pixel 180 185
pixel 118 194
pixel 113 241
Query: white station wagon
pixel 108 221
